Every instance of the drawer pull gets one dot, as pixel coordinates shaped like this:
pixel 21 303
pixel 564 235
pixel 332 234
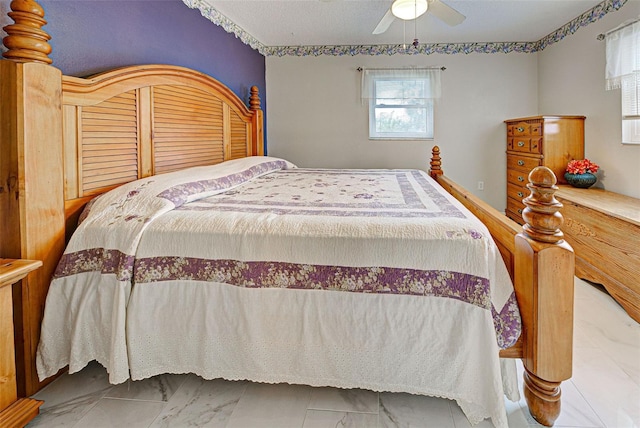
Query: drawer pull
pixel 519 210
pixel 520 194
pixel 521 162
pixel 520 143
pixel 520 178
pixel 520 129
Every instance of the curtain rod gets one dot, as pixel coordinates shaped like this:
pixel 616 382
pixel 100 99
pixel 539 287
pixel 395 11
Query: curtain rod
pixel 601 36
pixel 416 68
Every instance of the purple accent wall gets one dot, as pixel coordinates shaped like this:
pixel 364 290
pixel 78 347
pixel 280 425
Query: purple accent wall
pixel 90 36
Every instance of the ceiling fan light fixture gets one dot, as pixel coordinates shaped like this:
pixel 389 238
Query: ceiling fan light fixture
pixel 409 9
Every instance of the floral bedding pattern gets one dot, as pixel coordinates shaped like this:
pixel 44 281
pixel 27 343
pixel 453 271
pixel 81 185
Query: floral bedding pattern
pixel 379 280
pixel 355 193
pixel 328 194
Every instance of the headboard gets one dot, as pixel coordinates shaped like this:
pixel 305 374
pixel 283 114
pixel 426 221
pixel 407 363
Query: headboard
pixel 139 121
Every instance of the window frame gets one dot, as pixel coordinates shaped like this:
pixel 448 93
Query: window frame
pixel 424 102
pixel 622 58
pixel 630 97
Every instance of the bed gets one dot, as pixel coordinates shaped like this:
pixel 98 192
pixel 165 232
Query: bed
pixel 253 269
pixel 159 123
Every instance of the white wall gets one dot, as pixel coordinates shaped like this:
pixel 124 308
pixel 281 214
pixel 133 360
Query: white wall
pixel 316 119
pixel 571 81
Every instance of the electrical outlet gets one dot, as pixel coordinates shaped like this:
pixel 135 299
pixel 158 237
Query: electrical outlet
pixel 480 185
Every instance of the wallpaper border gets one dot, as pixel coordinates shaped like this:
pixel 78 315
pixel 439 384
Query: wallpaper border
pixel 229 26
pixel 588 17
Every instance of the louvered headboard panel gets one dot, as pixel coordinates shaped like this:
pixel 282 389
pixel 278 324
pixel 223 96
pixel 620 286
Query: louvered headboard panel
pixel 187 128
pixel 108 146
pixel 138 121
pixel 239 133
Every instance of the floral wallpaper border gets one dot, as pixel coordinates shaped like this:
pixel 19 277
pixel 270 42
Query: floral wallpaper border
pixel 588 17
pixel 229 26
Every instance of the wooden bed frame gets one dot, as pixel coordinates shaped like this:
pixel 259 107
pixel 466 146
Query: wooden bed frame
pixel 65 140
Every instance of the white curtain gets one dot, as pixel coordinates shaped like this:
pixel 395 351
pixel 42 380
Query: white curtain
pixel 431 75
pixel 623 72
pixel 623 55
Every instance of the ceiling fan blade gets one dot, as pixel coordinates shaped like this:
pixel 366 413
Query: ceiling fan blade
pixel 384 23
pixel 445 13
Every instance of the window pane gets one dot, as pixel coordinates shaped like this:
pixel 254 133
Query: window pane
pixel 631 95
pixel 400 92
pixel 631 109
pixel 631 131
pixel 401 120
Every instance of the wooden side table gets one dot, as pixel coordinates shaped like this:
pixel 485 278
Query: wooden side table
pixel 14 412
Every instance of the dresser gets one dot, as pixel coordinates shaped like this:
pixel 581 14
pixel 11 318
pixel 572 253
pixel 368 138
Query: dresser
pixel 604 230
pixel 14 412
pixel 550 141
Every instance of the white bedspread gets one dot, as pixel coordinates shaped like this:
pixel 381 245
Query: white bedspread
pixel 256 270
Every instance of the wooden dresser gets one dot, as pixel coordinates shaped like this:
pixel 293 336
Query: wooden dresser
pixel 14 412
pixel 551 141
pixel 604 230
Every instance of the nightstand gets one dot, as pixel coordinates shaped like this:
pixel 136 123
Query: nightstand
pixel 14 412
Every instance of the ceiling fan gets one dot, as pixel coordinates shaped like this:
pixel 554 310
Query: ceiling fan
pixel 412 9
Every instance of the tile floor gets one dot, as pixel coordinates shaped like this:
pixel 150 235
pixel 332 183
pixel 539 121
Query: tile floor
pixel 604 392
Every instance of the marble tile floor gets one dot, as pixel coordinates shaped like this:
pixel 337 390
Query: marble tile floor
pixel 604 392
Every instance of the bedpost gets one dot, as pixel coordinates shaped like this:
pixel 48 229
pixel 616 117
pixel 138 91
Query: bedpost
pixel 31 180
pixel 436 163
pixel 544 281
pixel 257 148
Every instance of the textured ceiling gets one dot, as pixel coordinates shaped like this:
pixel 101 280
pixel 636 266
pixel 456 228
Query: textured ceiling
pixel 351 22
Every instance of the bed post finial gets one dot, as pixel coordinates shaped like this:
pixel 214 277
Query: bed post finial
pixel 257 135
pixel 542 213
pixel 544 276
pixel 436 163
pixel 254 99
pixel 26 41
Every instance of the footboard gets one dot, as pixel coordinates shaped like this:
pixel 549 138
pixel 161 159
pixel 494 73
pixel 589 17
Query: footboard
pixel 541 264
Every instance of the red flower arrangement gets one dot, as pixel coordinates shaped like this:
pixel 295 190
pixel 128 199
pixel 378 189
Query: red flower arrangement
pixel 582 166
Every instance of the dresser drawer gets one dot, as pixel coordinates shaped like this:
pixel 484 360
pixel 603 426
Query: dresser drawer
pixel 525 144
pixel 517 177
pixel 536 129
pixel 524 128
pixel 514 210
pixel 515 217
pixel 519 144
pixel 517 192
pixel 535 145
pixel 518 129
pixel 523 163
pixel 515 205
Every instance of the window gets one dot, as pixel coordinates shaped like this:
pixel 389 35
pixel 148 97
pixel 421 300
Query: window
pixel 400 102
pixel 623 72
pixel 630 113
